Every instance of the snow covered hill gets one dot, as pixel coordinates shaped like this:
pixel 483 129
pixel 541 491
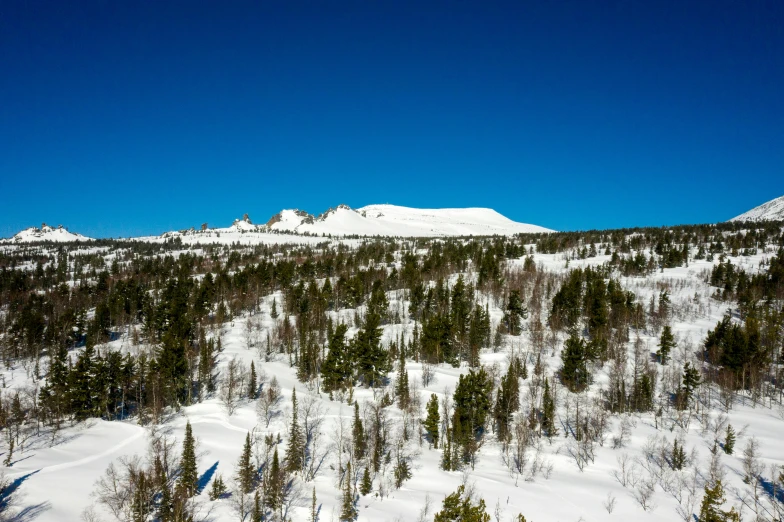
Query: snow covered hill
pixel 299 227
pixel 46 233
pixel 773 210
pixel 392 220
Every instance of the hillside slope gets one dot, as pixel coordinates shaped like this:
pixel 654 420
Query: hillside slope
pixel 47 233
pixel 773 210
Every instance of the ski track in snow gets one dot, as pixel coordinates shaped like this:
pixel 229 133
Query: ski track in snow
pixel 86 460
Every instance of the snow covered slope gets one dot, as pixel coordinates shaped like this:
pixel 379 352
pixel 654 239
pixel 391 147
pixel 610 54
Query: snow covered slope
pixel 392 220
pixel 773 210
pixel 47 233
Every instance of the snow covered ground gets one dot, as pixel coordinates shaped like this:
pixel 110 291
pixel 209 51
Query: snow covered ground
pixel 55 481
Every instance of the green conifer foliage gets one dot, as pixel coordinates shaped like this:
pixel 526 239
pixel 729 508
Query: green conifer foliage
pixel 433 420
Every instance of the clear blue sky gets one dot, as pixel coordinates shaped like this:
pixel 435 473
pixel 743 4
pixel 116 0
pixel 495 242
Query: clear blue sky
pixel 121 118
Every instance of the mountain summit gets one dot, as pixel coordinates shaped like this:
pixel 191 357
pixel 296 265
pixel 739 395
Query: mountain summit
pixel 773 210
pixel 392 220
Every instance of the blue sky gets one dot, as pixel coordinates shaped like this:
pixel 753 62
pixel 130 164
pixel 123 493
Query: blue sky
pixel 121 118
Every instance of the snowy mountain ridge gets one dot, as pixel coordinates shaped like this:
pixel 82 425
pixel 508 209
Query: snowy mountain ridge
pixel 57 234
pixel 298 226
pixel 773 210
pixel 393 220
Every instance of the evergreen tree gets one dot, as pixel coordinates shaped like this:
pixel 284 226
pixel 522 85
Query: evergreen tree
pixel 729 440
pixel 547 421
pixel 689 382
pixel 678 459
pixel 507 401
pixel 574 372
pixel 666 344
pixel 370 358
pixel 274 484
pixel 460 508
pixel 253 385
pixel 401 388
pixel 358 434
pixel 246 475
pixel 218 488
pixel 256 514
pixel 206 366
pixel 274 310
pixel 711 503
pixel 367 484
pixel 433 420
pixel 295 451
pixel 336 369
pixel 348 511
pixel 188 480
pixel 514 313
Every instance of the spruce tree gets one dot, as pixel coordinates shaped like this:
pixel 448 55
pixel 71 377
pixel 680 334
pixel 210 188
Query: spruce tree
pixel 253 385
pixel 246 475
pixel 274 310
pixel 188 480
pixel 711 503
pixel 666 344
pixel 729 440
pixel 433 420
pixel 574 372
pixel 358 434
pixel 336 369
pixel 547 421
pixel 678 459
pixel 401 390
pixel 218 488
pixel 348 511
pixel 256 514
pixel 273 485
pixel 367 483
pixel 295 451
pixel 514 313
pixel 458 507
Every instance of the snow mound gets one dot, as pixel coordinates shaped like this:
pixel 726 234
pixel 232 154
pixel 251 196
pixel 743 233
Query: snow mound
pixel 47 233
pixel 773 210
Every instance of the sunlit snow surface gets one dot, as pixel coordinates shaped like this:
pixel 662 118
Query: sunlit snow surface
pixel 55 481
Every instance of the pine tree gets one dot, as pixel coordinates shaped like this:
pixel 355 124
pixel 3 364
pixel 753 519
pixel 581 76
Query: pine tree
pixel 218 488
pixel 710 508
pixel 253 385
pixel 246 475
pixel 690 381
pixel 358 434
pixel 678 459
pixel 515 311
pixel 729 440
pixel 366 485
pixel 274 310
pixel 256 513
pixel 295 452
pixel 666 344
pixel 274 485
pixel 188 474
pixel 348 511
pixel 336 369
pixel 574 372
pixel 460 508
pixel 547 421
pixel 433 420
pixel 401 390
pixel 206 365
